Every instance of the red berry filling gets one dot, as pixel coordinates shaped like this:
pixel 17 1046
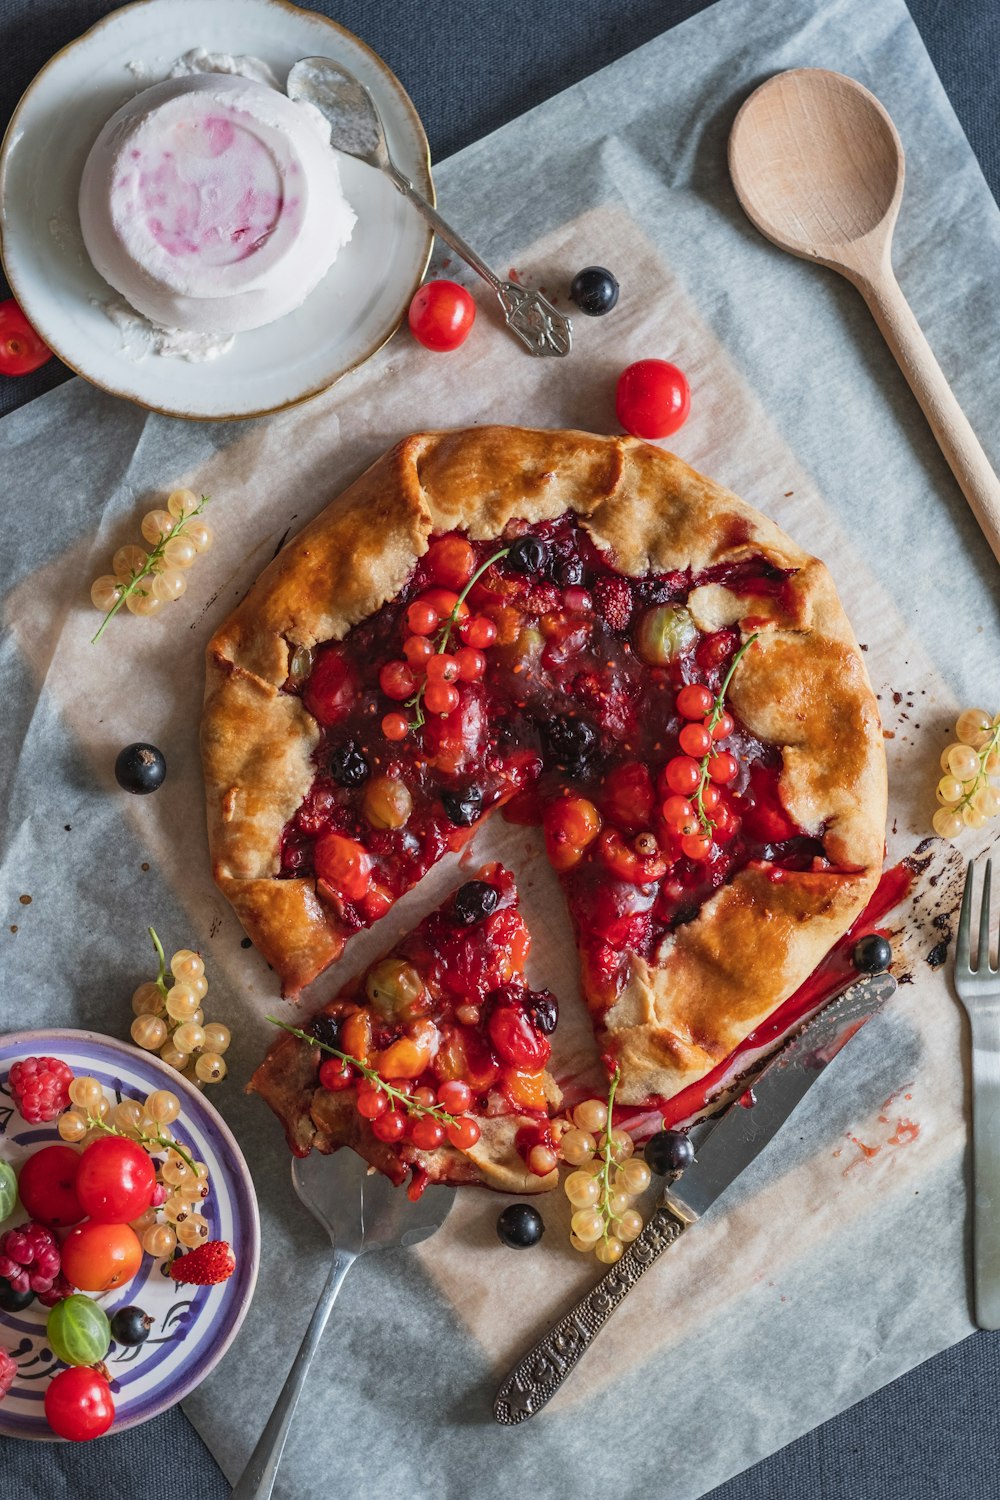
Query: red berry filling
pixel 583 698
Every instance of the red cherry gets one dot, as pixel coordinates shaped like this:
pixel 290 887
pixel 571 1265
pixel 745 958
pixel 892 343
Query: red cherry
pixel 21 349
pixel 78 1404
pixel 454 1096
pixel 389 1127
pixel 442 667
pixel 422 618
pixel 694 701
pixel 115 1180
pixel 478 631
pixel 722 767
pixel 450 561
pixel 426 1132
pixel 515 1039
pixel 463 1133
pixel 344 864
pixel 47 1186
pixel 724 726
pixel 695 740
pixel 441 316
pixel 371 1102
pixel 697 845
pixel 335 1074
pixel 440 697
pixel 418 650
pixel 652 398
pixel 682 774
pixel 712 650
pixel 397 681
pixel 329 693
pixel 471 663
pixel 395 727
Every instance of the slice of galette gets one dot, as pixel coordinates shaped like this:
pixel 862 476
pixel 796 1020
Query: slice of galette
pixel 433 1060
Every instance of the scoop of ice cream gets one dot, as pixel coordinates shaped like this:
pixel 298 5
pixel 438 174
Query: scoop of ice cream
pixel 213 204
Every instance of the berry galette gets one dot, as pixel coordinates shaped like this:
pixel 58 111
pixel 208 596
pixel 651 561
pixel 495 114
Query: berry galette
pixel 448 1050
pixel 583 630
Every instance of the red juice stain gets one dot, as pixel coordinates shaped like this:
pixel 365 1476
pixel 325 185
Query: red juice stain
pixel 906 1131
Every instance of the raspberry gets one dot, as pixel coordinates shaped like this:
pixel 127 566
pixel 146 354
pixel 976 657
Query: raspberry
pixel 8 1369
pixel 614 601
pixel 39 1087
pixel 59 1289
pixel 29 1258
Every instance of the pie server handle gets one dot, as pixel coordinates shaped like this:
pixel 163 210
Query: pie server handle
pixel 536 1377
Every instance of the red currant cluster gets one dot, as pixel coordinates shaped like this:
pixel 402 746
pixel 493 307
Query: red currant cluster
pixel 426 675
pixel 691 782
pixel 423 1116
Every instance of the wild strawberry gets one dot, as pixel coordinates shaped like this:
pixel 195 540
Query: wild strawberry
pixel 614 601
pixel 8 1370
pixel 205 1266
pixel 39 1087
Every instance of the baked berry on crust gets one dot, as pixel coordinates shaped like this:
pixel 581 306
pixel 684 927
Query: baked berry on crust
pixel 385 685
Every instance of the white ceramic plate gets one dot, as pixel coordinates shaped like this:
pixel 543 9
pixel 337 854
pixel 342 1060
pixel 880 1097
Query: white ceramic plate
pixel 354 310
pixel 194 1325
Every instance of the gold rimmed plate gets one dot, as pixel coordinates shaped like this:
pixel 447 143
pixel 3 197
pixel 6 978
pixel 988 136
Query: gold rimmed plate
pixel 354 310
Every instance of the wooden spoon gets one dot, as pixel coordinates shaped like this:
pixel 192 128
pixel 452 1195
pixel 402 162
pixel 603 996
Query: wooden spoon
pixel 818 168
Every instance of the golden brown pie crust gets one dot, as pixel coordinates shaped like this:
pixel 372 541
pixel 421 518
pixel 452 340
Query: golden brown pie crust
pixel 803 687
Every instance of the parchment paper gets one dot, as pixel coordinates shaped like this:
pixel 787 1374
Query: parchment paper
pixel 829 1269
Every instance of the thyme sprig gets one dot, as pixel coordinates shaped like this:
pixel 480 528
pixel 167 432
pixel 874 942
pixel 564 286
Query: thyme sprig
pixel 139 575
pixel 410 1105
pixel 718 709
pixel 166 1143
pixel 443 637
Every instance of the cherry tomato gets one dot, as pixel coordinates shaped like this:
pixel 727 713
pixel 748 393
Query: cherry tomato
pixel 21 349
pixel 78 1404
pixel 115 1181
pixel 98 1257
pixel 47 1186
pixel 441 316
pixel 653 398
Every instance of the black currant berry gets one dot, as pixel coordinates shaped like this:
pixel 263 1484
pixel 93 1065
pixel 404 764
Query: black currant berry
pixel 463 807
pixel 326 1029
pixel 594 291
pixel 347 766
pixel 520 1226
pixel 130 1326
pixel 475 900
pixel 140 769
pixel 668 1151
pixel 528 555
pixel 570 742
pixel 568 572
pixel 872 954
pixel 543 1008
pixel 11 1300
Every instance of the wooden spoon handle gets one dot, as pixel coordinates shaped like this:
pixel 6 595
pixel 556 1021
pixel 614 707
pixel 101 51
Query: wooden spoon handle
pixel 948 421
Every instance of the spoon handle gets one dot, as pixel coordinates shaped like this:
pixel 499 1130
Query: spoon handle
pixel 442 228
pixel 949 424
pixel 257 1480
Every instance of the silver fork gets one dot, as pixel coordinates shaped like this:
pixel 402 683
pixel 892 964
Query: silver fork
pixel 979 991
pixel 360 1210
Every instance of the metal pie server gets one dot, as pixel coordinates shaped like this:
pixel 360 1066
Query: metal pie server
pixel 725 1150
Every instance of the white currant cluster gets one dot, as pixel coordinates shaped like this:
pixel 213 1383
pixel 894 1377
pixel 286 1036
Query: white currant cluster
pixel 967 795
pixel 145 581
pixel 169 1018
pixel 607 1178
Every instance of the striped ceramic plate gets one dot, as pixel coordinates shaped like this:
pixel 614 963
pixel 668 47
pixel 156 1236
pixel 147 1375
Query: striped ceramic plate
pixel 193 1326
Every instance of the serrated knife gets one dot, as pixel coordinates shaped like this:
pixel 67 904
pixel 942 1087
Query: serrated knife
pixel 726 1149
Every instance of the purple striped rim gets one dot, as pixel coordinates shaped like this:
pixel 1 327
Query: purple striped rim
pixel 103 1056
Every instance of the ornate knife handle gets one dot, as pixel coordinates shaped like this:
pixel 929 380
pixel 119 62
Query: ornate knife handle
pixel 535 1379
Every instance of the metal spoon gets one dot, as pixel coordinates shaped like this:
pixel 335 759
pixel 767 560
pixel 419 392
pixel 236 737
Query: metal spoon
pixel 360 1210
pixel 356 129
pixel 818 168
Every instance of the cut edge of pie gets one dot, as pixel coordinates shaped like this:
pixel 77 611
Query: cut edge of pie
pixel 803 688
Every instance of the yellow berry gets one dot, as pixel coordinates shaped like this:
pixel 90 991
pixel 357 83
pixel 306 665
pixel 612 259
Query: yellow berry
pixel 619 1203
pixel 176 1210
pixel 127 561
pixel 127 1115
pixel 963 762
pixel 388 802
pixel 189 1037
pixel 102 1109
pixel 987 801
pixel 105 592
pixel 947 823
pixel 147 1000
pixel 193 1231
pixel 211 1068
pixel 87 1093
pixel 176 1172
pixel 173 1058
pixel 149 1032
pixel 628 1226
pixel 591 1115
pixel 587 1224
pixel 622 1145
pixel 179 552
pixel 182 1002
pixel 949 790
pixel 169 585
pixel 973 818
pixel 582 1189
pixel 971 724
pixel 199 534
pixel 217 1037
pixel 157 526
pixel 141 602
pixel 541 1160
pixel 72 1126
pixel 577 1147
pixel 609 1251
pixel 634 1177
pixel 585 1245
pixel 143 1222
pixel 162 1106
pixel 181 503
pixel 159 1241
pixel 186 964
